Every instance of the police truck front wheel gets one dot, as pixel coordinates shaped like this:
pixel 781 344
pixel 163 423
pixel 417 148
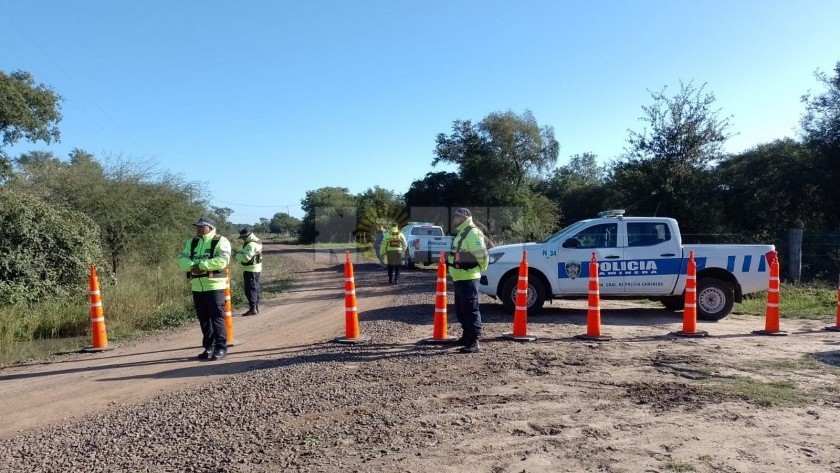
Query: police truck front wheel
pixel 536 293
pixel 715 299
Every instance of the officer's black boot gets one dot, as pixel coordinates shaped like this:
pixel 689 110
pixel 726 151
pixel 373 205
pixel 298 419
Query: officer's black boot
pixel 257 307
pixel 252 310
pixel 471 347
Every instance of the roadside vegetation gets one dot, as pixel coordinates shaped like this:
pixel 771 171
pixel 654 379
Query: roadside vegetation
pixel 796 300
pixel 141 301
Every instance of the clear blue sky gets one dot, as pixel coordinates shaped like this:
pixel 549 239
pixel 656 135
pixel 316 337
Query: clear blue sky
pixel 264 100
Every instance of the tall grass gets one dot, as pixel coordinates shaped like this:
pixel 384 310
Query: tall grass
pixel 139 300
pixel 796 300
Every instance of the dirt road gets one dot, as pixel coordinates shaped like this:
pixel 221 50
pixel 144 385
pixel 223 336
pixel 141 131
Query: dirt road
pixel 287 400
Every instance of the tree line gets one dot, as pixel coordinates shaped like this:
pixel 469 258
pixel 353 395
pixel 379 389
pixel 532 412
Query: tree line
pixel 675 166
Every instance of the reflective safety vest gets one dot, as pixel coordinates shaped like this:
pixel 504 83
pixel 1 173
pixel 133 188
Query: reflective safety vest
pixel 393 241
pixel 251 255
pixel 468 255
pixel 212 255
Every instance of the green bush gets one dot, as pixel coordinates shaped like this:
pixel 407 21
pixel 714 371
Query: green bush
pixel 44 251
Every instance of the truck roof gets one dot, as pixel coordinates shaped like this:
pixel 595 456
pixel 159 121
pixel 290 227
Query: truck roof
pixel 421 224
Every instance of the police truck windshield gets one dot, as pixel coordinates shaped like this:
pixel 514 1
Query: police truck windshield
pixel 571 229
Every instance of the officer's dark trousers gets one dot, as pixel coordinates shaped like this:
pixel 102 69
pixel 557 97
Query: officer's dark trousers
pixel 394 265
pixel 252 286
pixel 210 308
pixel 466 308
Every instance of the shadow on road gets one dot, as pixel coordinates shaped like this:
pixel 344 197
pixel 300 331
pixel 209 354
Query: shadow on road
pixel 192 351
pixel 320 353
pixel 829 357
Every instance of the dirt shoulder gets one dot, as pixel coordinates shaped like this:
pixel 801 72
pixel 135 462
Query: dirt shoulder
pixel 288 400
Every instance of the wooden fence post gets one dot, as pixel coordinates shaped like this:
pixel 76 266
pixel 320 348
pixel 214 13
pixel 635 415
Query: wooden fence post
pixel 795 253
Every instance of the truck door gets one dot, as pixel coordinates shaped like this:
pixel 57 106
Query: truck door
pixel 576 252
pixel 652 259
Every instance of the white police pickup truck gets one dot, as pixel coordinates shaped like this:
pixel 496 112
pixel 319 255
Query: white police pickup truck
pixel 638 258
pixel 425 242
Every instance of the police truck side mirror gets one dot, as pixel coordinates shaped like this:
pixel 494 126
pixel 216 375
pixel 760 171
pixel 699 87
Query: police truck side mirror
pixel 571 243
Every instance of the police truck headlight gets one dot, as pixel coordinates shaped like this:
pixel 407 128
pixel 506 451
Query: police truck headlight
pixel 495 257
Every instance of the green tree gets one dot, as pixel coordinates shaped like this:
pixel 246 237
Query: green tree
pixel 821 131
pixel 578 188
pixel 378 206
pixel 221 214
pixel 140 213
pixel 28 111
pixel 323 208
pixel 532 224
pixel 45 251
pixel 498 155
pixel 769 189
pixel 283 223
pixel 437 189
pixel 262 226
pixel 667 169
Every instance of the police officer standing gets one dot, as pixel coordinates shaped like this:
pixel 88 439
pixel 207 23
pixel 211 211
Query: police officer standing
pixel 250 256
pixel 467 259
pixel 205 258
pixel 393 246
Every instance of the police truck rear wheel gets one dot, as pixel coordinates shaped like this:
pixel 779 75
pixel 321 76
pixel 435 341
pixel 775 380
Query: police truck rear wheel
pixel 715 299
pixel 536 293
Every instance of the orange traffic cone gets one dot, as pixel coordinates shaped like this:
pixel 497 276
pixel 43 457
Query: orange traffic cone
pixel 351 316
pixel 771 315
pixel 439 331
pixel 593 315
pixel 97 316
pixel 836 327
pixel 690 311
pixel 520 315
pixel 229 313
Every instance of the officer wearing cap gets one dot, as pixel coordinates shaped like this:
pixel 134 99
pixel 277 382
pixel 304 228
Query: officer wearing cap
pixel 466 260
pixel 205 258
pixel 250 256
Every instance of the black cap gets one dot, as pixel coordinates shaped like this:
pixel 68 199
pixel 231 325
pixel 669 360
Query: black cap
pixel 463 212
pixel 204 222
pixel 244 232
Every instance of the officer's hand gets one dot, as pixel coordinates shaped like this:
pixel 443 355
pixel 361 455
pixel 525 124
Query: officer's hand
pixel 195 269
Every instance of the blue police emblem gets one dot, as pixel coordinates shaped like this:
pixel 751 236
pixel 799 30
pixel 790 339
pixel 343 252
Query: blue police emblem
pixel 573 269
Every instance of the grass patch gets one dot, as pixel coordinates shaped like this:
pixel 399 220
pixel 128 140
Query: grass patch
pixel 817 374
pixel 311 440
pixel 797 300
pixel 807 362
pixel 781 393
pixel 676 465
